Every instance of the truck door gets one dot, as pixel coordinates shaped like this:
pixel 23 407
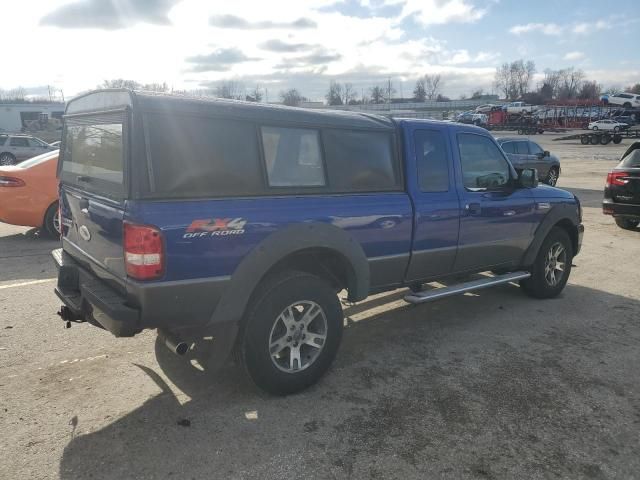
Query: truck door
pixel 437 208
pixel 496 222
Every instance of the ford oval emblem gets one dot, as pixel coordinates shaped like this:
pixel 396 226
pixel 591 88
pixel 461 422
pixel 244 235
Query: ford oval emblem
pixel 84 233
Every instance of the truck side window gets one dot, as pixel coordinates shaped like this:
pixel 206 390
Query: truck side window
pixel 359 161
pixel 196 157
pixel 483 164
pixel 432 161
pixel 535 149
pixel 293 157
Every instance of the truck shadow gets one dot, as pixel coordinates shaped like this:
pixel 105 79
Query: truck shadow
pixel 481 377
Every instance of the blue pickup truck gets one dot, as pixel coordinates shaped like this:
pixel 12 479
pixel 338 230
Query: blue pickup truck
pixel 242 222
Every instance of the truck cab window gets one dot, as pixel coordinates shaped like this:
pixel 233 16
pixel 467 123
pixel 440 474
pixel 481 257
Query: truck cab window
pixel 483 164
pixel 432 161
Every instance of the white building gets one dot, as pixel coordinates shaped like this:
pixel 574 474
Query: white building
pixel 14 116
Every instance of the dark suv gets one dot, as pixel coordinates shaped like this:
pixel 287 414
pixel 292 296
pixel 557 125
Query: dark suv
pixel 622 190
pixel 240 222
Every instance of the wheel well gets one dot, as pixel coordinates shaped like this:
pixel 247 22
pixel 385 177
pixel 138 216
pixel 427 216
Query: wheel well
pixel 571 230
pixel 322 262
pixel 44 217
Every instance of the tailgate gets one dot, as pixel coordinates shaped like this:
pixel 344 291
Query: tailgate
pixel 93 193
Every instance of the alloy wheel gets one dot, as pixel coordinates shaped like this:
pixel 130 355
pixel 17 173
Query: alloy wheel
pixel 297 336
pixel 554 265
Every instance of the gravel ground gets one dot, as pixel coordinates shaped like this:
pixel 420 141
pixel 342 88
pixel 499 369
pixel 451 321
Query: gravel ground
pixel 486 385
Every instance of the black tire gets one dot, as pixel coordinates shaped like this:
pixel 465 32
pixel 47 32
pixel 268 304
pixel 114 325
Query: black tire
pixel 265 316
pixel 626 223
pixel 51 222
pixel 520 131
pixel 552 176
pixel 539 285
pixel 616 129
pixel 584 140
pixel 627 105
pixel 7 158
pixel 617 139
pixel 595 139
pixel 595 128
pixel 605 139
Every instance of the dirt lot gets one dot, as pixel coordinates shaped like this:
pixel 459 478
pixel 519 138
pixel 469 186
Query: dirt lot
pixel 489 385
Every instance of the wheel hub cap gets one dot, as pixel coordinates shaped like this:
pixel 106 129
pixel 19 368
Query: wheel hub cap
pixel 298 336
pixel 555 264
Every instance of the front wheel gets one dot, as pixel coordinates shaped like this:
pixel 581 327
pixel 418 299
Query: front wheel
pixel 7 159
pixel 616 129
pixel 595 128
pixel 552 177
pixel 292 332
pixel 626 224
pixel 552 266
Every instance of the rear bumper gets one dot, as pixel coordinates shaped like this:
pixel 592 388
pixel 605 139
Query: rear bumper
pixel 628 210
pixel 173 306
pixel 91 300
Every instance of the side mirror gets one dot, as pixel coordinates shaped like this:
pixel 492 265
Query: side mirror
pixel 528 178
pixel 547 153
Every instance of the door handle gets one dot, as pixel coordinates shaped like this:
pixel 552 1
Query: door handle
pixel 472 208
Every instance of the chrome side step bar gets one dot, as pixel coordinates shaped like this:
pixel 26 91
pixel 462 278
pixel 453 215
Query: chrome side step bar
pixel 437 293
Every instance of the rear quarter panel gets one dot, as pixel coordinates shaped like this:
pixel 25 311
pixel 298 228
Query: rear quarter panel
pixel 380 223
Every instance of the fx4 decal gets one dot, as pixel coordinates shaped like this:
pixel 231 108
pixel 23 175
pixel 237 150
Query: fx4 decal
pixel 215 227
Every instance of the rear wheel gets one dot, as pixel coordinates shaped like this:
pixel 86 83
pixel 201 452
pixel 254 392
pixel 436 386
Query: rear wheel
pixel 595 128
pixel 552 177
pixel 584 140
pixel 627 105
pixel 292 332
pixel 605 139
pixel 595 139
pixel 617 139
pixel 7 158
pixel 626 223
pixel 51 225
pixel 616 129
pixel 552 266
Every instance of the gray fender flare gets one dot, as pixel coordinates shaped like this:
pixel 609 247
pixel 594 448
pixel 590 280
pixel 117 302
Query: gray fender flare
pixel 227 316
pixel 558 213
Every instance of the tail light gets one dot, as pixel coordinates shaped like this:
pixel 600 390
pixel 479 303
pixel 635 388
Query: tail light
pixel 617 178
pixel 143 251
pixel 11 182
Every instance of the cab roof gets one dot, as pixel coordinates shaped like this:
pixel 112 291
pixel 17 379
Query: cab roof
pixel 116 99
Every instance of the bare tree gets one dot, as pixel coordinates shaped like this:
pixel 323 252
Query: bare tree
pixel 433 84
pixel 633 89
pixel 120 83
pixel 334 95
pixel 349 94
pixel 254 95
pixel 291 97
pixel 230 89
pixel 377 94
pixel 420 90
pixel 589 90
pixel 502 79
pixel 156 87
pixel 570 82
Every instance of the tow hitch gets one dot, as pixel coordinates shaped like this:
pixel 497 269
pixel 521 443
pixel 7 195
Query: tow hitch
pixel 69 316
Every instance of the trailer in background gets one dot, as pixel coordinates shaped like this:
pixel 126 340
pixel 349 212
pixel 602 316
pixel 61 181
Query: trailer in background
pixel 602 138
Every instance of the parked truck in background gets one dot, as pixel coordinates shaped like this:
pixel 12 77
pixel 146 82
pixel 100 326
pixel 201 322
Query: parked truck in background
pixel 241 222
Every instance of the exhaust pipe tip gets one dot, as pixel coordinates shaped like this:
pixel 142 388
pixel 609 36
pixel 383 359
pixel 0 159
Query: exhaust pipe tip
pixel 173 343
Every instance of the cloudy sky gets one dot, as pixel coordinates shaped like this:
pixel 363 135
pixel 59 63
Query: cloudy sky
pixel 74 45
